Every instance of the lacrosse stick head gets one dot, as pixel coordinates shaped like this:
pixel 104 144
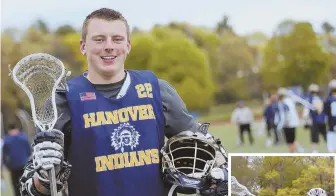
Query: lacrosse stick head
pixel 39 75
pixel 239 189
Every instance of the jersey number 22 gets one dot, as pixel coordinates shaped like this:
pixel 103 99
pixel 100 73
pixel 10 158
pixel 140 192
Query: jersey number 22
pixel 144 90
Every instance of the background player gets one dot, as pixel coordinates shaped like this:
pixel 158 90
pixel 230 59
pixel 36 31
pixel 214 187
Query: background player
pixel 316 117
pixel 269 114
pixel 330 110
pixel 242 116
pixel 287 119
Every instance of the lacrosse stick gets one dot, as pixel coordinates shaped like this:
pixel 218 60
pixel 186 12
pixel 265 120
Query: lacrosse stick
pixel 300 100
pixel 39 75
pixel 238 189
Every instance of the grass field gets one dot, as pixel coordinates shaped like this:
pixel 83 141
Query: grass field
pixel 228 135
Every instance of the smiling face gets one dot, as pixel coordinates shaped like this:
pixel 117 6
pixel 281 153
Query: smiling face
pixel 106 47
pixel 105 42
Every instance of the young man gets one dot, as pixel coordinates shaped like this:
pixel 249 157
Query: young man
pixel 242 116
pixel 269 113
pixel 317 117
pixel 330 110
pixel 113 120
pixel 16 151
pixel 287 119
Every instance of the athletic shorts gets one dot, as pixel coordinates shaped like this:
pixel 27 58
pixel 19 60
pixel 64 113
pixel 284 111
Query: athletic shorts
pixel 289 135
pixel 316 129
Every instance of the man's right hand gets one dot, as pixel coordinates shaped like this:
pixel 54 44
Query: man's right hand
pixel 48 153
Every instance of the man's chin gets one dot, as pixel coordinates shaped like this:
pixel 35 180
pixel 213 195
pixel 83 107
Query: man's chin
pixel 110 70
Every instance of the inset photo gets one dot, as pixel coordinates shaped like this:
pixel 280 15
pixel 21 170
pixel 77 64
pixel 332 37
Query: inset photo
pixel 284 175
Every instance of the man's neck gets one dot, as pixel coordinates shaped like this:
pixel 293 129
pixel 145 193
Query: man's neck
pixel 95 78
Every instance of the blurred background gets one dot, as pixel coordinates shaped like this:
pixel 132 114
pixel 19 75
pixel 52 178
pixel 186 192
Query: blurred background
pixel 215 53
pixel 284 175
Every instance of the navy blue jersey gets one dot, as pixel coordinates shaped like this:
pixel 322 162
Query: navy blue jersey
pixel 317 116
pixel 269 113
pixel 16 151
pixel 330 110
pixel 116 142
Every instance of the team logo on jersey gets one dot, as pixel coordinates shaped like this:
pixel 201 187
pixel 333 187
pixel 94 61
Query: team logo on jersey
pixel 124 136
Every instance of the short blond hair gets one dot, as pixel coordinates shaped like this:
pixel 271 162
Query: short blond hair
pixel 105 14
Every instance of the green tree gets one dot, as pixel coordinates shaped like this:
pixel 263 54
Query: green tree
pixel 42 26
pixel 208 41
pixel 319 173
pixel 296 54
pixel 224 26
pixel 272 66
pixel 76 61
pixel 303 55
pixel 279 172
pixel 328 28
pixel 164 32
pixel 289 192
pixel 143 47
pixel 266 192
pixel 234 68
pixel 64 30
pixel 180 62
pixel 257 39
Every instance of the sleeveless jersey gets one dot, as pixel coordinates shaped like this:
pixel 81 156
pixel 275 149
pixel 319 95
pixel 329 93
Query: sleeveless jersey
pixel 317 116
pixel 330 110
pixel 115 143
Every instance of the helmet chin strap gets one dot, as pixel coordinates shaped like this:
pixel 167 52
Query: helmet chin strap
pixel 172 189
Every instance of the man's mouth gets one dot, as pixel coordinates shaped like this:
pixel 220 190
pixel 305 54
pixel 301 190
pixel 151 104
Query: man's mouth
pixel 108 58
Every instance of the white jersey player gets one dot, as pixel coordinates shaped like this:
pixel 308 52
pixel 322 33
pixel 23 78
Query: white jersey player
pixel 287 119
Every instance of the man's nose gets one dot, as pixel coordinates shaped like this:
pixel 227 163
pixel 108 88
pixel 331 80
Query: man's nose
pixel 109 45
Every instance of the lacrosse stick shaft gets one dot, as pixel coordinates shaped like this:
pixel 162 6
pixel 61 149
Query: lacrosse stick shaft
pixel 302 101
pixel 52 180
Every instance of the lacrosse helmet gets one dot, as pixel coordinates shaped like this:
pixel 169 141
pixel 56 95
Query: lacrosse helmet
pixel 316 192
pixel 187 160
pixel 313 88
pixel 332 84
pixel 282 91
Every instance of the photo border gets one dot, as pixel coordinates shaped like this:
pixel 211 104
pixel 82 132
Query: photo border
pixel 280 155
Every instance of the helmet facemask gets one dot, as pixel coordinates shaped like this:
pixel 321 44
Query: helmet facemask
pixel 187 160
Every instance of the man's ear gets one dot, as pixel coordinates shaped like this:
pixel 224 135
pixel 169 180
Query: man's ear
pixel 82 47
pixel 129 46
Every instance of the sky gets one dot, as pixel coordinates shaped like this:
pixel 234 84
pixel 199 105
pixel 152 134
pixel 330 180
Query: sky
pixel 246 16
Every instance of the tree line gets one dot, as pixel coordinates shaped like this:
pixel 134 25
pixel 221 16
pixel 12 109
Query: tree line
pixel 284 176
